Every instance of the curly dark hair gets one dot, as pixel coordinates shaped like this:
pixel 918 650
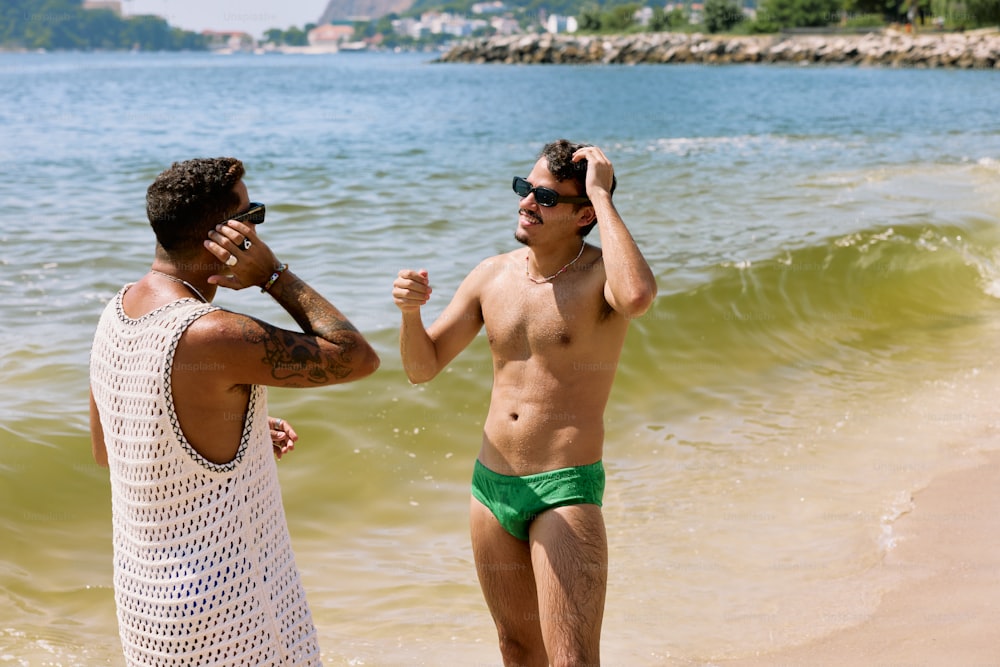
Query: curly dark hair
pixel 191 197
pixel 559 156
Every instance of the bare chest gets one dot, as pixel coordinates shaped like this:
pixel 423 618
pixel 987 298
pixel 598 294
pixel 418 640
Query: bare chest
pixel 526 319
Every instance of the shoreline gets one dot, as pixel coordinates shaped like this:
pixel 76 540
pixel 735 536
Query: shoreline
pixel 945 602
pixel 971 50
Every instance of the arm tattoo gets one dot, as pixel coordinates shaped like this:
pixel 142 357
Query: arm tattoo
pixel 294 356
pixel 314 313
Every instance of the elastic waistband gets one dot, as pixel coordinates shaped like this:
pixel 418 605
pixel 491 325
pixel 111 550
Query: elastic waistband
pixel 572 471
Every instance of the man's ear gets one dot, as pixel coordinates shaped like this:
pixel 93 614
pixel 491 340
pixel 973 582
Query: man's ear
pixel 587 216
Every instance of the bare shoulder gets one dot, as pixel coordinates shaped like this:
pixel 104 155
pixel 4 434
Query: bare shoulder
pixel 245 350
pixel 225 333
pixel 592 260
pixel 223 336
pixel 220 327
pixel 496 269
pixel 496 262
pixel 589 272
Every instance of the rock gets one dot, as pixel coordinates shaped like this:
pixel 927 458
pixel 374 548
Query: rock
pixel 888 49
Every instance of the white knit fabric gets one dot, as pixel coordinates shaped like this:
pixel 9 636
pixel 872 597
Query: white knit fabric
pixel 203 567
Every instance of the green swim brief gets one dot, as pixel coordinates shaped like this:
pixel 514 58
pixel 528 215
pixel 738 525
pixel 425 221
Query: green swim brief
pixel 516 501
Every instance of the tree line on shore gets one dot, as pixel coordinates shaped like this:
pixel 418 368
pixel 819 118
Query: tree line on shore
pixel 65 24
pixel 771 16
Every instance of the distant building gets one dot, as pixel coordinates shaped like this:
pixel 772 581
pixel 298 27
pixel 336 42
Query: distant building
pixel 330 34
pixel 495 7
pixel 642 16
pixel 504 25
pixel 438 23
pixel 451 24
pixel 228 41
pixel 555 23
pixel 112 5
pixel 410 27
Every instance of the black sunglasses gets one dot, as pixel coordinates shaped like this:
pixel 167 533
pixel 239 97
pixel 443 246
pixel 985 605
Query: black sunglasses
pixel 544 196
pixel 253 215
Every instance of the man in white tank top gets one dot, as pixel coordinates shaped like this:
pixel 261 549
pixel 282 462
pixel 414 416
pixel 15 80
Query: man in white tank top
pixel 204 572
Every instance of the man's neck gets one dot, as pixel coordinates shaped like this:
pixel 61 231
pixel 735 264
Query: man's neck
pixel 544 264
pixel 192 273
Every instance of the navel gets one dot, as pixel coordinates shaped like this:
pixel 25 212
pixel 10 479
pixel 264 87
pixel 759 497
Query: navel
pixel 513 416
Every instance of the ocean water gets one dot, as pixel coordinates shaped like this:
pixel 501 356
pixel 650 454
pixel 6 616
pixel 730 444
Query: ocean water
pixel 827 247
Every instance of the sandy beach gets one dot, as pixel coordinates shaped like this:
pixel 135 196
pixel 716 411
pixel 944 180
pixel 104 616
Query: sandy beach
pixel 942 605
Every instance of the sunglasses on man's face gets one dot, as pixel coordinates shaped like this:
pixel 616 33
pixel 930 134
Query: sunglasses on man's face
pixel 544 196
pixel 254 215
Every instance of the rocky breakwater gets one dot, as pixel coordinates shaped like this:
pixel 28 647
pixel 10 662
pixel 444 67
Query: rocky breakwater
pixel 978 50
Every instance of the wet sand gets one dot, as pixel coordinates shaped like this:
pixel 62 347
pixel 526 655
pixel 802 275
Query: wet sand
pixel 942 605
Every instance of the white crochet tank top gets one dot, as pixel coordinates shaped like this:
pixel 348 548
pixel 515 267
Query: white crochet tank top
pixel 203 567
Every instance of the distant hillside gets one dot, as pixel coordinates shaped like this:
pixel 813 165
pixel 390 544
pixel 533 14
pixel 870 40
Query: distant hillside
pixel 350 10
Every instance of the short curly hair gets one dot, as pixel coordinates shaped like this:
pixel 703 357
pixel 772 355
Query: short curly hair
pixel 559 157
pixel 188 199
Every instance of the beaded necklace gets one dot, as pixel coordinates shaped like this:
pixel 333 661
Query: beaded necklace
pixel 542 281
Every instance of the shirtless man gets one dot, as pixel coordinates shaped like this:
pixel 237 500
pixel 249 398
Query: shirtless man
pixel 556 313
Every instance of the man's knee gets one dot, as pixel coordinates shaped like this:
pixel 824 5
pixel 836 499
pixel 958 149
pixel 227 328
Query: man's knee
pixel 573 645
pixel 521 651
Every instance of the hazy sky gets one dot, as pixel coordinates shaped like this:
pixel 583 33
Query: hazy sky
pixel 251 16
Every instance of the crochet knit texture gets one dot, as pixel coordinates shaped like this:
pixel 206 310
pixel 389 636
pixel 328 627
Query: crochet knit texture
pixel 203 567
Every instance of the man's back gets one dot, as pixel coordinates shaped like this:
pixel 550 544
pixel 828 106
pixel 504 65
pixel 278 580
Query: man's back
pixel 204 567
pixel 204 571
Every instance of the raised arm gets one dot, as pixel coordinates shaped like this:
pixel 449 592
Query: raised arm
pixel 329 350
pixel 630 287
pixel 425 352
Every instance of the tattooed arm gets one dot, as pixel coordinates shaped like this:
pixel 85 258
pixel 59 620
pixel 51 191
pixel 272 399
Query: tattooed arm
pixel 337 352
pixel 242 350
pixel 223 353
pixel 328 351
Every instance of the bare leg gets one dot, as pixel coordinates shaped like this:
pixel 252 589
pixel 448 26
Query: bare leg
pixel 569 555
pixel 503 564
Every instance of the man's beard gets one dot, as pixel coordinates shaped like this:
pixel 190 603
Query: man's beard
pixel 525 239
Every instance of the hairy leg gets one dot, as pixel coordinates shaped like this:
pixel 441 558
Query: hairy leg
pixel 569 556
pixel 503 564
